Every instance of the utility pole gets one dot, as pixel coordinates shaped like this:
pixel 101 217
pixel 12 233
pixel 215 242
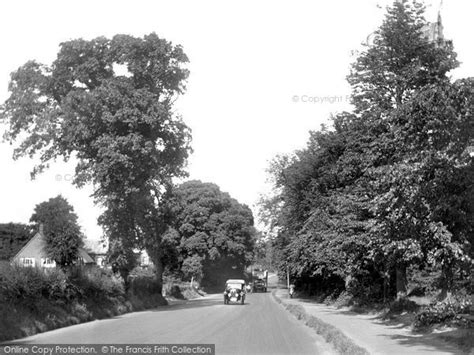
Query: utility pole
pixel 287 276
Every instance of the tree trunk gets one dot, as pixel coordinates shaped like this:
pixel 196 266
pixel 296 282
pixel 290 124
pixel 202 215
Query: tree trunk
pixel 401 281
pixel 159 269
pixel 446 282
pixel 386 285
pixel 347 281
pixel 124 273
pixel 159 273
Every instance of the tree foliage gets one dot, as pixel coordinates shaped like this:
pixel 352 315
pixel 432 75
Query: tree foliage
pixel 61 230
pixel 213 233
pixel 107 103
pixel 13 236
pixel 390 185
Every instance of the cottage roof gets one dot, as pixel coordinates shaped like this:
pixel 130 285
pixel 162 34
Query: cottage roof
pixel 32 239
pixel 86 257
pixel 39 235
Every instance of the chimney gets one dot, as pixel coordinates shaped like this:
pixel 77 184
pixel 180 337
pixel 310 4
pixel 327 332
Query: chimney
pixel 41 228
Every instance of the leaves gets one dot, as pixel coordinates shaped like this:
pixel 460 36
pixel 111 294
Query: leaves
pixel 119 127
pixel 210 227
pixel 61 230
pixel 391 184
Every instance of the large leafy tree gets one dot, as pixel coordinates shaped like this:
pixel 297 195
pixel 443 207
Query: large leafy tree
pixel 61 230
pixel 424 208
pixel 320 210
pixel 391 185
pixel 402 69
pixel 213 232
pixel 107 103
pixel 386 78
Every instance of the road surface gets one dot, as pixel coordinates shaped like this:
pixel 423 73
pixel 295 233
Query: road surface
pixel 260 326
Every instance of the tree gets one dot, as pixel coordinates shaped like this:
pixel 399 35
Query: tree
pixel 61 230
pixel 13 236
pixel 264 252
pixel 214 233
pixel 192 268
pixel 390 73
pixel 321 210
pixel 400 61
pixel 107 103
pixel 391 184
pixel 121 257
pixel 433 196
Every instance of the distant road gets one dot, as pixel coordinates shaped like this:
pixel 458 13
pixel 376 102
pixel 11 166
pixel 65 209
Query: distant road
pixel 259 327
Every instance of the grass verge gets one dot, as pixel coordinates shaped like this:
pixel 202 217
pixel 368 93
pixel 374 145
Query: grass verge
pixel 340 342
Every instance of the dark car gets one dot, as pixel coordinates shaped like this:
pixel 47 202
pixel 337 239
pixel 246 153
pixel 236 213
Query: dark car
pixel 234 291
pixel 259 286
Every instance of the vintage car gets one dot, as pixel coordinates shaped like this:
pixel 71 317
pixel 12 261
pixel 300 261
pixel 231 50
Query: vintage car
pixel 234 291
pixel 259 286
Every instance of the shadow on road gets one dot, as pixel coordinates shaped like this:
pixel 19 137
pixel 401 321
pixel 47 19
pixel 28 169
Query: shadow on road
pixel 431 340
pixel 197 303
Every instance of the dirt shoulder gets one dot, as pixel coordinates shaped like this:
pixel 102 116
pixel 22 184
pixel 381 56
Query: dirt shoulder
pixel 371 332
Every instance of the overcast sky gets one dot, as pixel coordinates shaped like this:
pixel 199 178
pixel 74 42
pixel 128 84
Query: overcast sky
pixel 263 73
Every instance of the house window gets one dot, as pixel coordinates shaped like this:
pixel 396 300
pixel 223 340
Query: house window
pixel 100 261
pixel 47 262
pixel 27 262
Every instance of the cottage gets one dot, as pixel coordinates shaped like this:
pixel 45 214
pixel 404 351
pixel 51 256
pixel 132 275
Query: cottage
pixel 98 252
pixel 33 254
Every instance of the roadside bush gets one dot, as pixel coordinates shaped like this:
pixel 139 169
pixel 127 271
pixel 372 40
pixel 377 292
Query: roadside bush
pixel 143 272
pixel 144 290
pixel 423 282
pixel 20 285
pixel 34 300
pixel 175 291
pixel 175 287
pixel 319 288
pixel 60 289
pixel 343 300
pixel 332 298
pixel 366 287
pixel 403 305
pixel 143 282
pixel 449 311
pixel 26 286
pixel 96 283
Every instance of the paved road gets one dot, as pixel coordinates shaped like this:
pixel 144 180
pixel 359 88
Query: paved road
pixel 261 326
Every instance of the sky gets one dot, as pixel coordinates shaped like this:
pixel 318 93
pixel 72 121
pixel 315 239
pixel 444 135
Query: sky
pixel 262 75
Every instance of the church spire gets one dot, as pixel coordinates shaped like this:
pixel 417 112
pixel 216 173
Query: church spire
pixel 434 30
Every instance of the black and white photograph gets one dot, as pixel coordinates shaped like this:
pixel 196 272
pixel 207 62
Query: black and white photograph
pixel 236 177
